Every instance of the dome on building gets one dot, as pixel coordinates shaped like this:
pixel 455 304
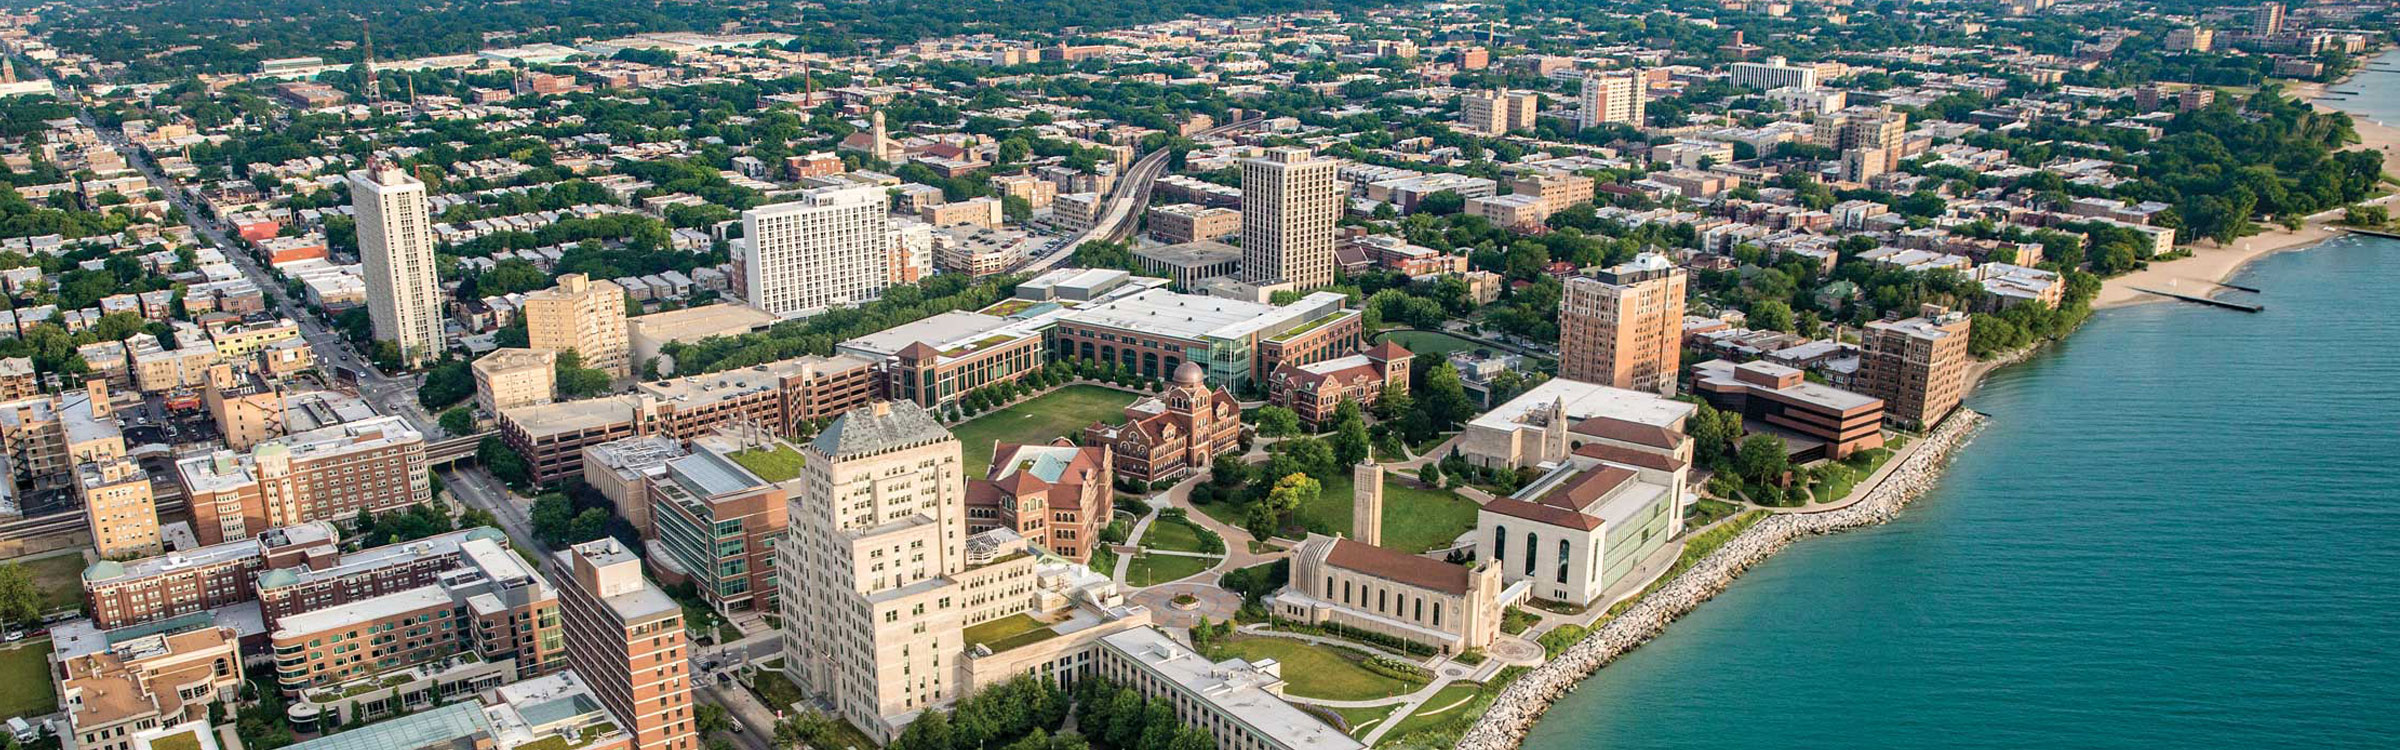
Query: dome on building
pixel 103 570
pixel 1190 374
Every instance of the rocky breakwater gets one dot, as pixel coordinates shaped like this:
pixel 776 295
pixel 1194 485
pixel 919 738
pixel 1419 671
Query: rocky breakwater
pixel 1511 715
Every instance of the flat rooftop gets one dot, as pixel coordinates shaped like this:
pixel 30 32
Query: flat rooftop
pixel 1586 400
pixel 693 323
pixel 569 416
pixel 1238 690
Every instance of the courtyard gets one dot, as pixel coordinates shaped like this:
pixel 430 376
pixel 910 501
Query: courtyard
pixel 1038 420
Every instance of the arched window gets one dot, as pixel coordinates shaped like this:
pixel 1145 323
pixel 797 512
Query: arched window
pixel 1420 615
pixel 1562 561
pixel 1533 549
pixel 1329 587
pixel 1380 595
pixel 1499 543
pixel 1437 614
pixel 1345 592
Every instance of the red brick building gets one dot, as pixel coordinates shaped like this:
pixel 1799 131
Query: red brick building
pixel 1174 434
pixel 1056 496
pixel 1315 390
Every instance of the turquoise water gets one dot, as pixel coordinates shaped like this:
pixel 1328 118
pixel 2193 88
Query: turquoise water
pixel 2182 530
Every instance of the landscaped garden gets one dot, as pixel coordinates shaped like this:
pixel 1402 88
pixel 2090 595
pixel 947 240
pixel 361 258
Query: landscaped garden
pixel 1316 671
pixel 1056 414
pixel 774 463
pixel 1009 632
pixel 774 689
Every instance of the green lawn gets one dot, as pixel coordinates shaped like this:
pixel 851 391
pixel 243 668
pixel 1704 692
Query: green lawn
pixel 1448 705
pixel 1010 632
pixel 1705 511
pixel 774 463
pixel 1363 720
pixel 1151 570
pixel 1514 621
pixel 1414 520
pixel 184 740
pixel 60 579
pixel 1062 412
pixel 1172 535
pixel 1314 671
pixel 776 690
pixel 1429 343
pixel 25 688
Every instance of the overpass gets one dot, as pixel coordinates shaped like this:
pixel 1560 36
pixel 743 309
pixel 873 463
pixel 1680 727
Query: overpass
pixel 1125 203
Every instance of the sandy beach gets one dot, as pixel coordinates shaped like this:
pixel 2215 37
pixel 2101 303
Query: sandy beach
pixel 2210 263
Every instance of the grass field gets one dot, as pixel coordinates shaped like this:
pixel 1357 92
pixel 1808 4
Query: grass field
pixel 60 579
pixel 774 463
pixel 1151 570
pixel 1414 520
pixel 25 688
pixel 1062 412
pixel 1172 535
pixel 1453 700
pixel 1314 671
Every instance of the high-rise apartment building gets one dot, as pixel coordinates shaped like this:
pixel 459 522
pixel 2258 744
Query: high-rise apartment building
pixel 1498 111
pixel 1620 97
pixel 2267 19
pixel 1623 325
pixel 119 507
pixel 583 315
pixel 395 253
pixel 830 248
pixel 1917 366
pixel 45 439
pixel 328 474
pixel 2190 39
pixel 1771 74
pixel 625 638
pixel 1290 202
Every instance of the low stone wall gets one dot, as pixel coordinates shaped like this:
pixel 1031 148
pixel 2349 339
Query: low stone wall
pixel 1514 711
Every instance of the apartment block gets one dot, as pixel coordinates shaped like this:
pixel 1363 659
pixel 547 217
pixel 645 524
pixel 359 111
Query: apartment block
pixel 1918 366
pixel 114 697
pixel 582 315
pixel 1621 97
pixel 1290 202
pixel 784 396
pixel 490 621
pixel 328 474
pixel 1622 326
pixel 827 249
pixel 1179 223
pixel 625 638
pixel 119 508
pixel 1497 112
pixel 511 378
pixel 395 252
pixel 46 438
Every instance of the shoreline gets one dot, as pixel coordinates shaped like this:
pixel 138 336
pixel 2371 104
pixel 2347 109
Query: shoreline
pixel 2210 264
pixel 1505 725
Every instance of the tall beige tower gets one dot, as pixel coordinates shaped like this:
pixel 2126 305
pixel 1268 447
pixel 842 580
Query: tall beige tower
pixel 1623 326
pixel 119 507
pixel 1366 507
pixel 1619 97
pixel 584 315
pixel 395 253
pixel 1290 203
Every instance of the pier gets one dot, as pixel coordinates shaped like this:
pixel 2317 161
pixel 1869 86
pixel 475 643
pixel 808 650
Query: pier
pixel 2371 232
pixel 2242 306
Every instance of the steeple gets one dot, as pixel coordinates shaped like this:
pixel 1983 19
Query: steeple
pixel 367 42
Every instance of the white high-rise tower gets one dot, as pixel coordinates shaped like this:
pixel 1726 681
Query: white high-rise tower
pixel 830 248
pixel 395 252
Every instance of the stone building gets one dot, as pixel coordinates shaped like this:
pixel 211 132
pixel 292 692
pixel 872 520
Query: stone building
pixel 1179 432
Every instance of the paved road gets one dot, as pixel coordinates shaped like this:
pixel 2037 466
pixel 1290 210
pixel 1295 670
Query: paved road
pixel 389 395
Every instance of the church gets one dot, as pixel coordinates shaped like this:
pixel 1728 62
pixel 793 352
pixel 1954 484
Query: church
pixel 1174 434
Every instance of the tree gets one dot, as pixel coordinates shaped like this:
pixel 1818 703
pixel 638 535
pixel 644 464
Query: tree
pixel 504 462
pixel 1773 315
pixel 1761 459
pixel 20 600
pixel 576 380
pixel 710 717
pixel 1350 442
pixel 1445 395
pixel 553 519
pixel 1431 474
pixel 459 421
pixel 1290 493
pixel 1277 421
